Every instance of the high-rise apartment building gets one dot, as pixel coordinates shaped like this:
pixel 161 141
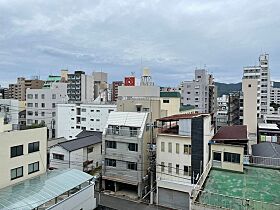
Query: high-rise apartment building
pixel 261 73
pixel 115 91
pixel 80 87
pixel 200 92
pixel 18 90
pixel 41 106
pixel 3 93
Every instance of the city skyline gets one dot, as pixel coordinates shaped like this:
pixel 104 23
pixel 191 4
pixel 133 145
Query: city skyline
pixel 119 37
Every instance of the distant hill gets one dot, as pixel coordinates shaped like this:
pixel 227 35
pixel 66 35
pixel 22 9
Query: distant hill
pixel 224 88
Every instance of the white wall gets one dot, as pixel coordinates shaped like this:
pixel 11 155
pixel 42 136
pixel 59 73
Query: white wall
pixel 23 137
pixel 66 119
pixel 13 107
pixel 83 199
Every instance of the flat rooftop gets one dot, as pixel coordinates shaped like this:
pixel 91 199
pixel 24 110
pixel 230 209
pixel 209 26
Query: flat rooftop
pixel 255 184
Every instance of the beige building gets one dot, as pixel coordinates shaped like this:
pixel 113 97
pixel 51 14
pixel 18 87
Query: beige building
pixel 18 90
pixel 23 154
pixel 182 154
pixel 251 107
pixel 228 157
pixel 170 104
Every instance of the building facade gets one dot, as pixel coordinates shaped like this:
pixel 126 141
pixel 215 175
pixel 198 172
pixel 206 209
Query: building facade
pixel 41 106
pixel 200 92
pixel 80 87
pixel 23 155
pixel 115 91
pixel 73 118
pixel 182 154
pixel 124 152
pixel 9 110
pixel 18 90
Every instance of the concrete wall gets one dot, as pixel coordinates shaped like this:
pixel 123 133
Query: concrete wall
pixel 139 91
pixel 66 119
pixel 172 107
pixel 232 149
pixel 250 97
pixel 23 137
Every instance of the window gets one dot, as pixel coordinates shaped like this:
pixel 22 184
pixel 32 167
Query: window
pixel 43 105
pixel 42 114
pixel 16 151
pixel 162 166
pixel 42 96
pixel 97 120
pixel 133 147
pixel 187 149
pixel 166 101
pixel 110 110
pixel 187 170
pixel 83 119
pixel 249 85
pixel 138 108
pixel 36 96
pixel 132 166
pixel 58 156
pixel 83 110
pixel 33 167
pixel 29 104
pixel 91 119
pixel 33 147
pixel 30 113
pixel 177 168
pixel 111 144
pixel 90 149
pixel 170 147
pixel 217 156
pixel 231 157
pixel 53 105
pixel 162 146
pixel 170 168
pixel 110 162
pixel 29 96
pixel 36 104
pixel 97 110
pixel 53 96
pixel 53 114
pixel 16 173
pixel 177 148
pixel 146 109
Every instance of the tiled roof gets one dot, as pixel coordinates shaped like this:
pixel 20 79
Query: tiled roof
pixel 234 132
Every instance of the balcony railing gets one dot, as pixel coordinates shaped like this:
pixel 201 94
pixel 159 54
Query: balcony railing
pixel 262 161
pixel 122 132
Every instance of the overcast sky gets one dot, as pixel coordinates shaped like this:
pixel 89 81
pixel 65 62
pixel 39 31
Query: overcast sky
pixel 40 37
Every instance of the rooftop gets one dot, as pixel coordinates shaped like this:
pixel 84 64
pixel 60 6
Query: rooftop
pixel 234 132
pixel 268 126
pixel 170 94
pixel 266 149
pixel 85 140
pixel 180 116
pixel 229 189
pixel 130 119
pixel 34 192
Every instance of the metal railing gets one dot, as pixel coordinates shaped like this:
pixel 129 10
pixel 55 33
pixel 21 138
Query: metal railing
pixel 122 132
pixel 262 161
pixel 201 181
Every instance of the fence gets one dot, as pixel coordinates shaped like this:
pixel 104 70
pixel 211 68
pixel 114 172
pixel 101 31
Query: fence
pixel 262 161
pixel 219 201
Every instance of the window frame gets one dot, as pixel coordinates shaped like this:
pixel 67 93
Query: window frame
pixel 18 153
pixel 32 147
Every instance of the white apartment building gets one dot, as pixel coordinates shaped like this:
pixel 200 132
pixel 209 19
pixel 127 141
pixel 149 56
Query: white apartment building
pixel 200 92
pixel 182 154
pixel 23 154
pixel 222 112
pixel 71 118
pixel 41 105
pixel 262 74
pixel 9 110
pixel 82 153
pixel 275 95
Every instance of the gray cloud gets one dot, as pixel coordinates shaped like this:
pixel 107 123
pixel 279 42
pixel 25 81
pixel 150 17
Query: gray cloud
pixel 172 38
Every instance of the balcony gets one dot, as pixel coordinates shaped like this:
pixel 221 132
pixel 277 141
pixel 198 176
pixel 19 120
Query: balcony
pixel 122 132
